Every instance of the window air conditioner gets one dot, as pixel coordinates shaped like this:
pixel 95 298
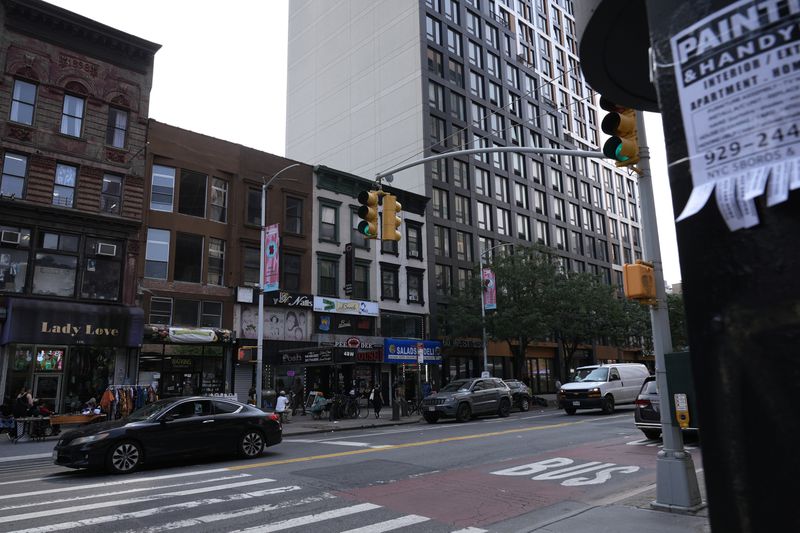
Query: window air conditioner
pixel 103 248
pixel 10 237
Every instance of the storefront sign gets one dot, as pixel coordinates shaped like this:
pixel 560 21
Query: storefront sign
pixel 290 299
pixel 311 356
pixel 345 307
pixel 45 321
pixel 369 356
pixel 461 342
pixel 406 351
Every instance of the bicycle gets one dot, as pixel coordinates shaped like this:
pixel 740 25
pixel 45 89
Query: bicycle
pixel 415 407
pixel 351 409
pixel 364 405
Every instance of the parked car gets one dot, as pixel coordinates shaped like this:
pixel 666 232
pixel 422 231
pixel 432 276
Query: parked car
pixel 647 415
pixel 521 394
pixel 168 429
pixel 603 387
pixel 465 398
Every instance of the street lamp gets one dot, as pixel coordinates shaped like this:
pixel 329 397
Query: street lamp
pixel 483 301
pixel 260 326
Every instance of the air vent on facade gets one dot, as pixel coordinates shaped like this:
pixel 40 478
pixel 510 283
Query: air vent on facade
pixel 10 237
pixel 103 248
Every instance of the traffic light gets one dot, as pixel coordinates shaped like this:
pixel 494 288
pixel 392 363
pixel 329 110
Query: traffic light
pixel 391 220
pixel 620 123
pixel 368 212
pixel 639 282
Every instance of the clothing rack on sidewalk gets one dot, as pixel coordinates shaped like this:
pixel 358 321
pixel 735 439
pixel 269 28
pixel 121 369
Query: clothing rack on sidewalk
pixel 121 400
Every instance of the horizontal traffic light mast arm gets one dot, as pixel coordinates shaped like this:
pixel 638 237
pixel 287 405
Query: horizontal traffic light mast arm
pixel 544 151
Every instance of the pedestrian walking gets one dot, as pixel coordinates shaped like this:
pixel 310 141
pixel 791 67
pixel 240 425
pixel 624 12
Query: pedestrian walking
pixel 298 403
pixel 376 400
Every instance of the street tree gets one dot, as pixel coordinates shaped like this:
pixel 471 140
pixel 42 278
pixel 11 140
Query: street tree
pixel 525 282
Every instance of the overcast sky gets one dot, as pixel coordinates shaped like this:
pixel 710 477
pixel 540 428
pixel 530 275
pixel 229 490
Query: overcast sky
pixel 221 71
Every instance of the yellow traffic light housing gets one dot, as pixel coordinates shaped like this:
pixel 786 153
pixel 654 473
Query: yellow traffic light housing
pixel 639 282
pixel 620 124
pixel 368 213
pixel 391 220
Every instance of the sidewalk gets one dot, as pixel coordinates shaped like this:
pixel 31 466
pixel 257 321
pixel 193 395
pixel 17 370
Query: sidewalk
pixel 623 513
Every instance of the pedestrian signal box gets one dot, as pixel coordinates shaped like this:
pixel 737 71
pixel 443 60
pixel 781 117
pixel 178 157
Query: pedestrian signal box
pixel 639 282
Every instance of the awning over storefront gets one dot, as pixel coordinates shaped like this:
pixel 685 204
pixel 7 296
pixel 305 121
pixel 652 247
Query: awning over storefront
pixel 187 335
pixel 54 322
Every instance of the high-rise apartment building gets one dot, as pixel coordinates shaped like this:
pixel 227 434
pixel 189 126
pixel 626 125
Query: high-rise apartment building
pixel 373 85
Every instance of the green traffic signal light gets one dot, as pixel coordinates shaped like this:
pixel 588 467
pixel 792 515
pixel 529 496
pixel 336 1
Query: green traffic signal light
pixel 620 124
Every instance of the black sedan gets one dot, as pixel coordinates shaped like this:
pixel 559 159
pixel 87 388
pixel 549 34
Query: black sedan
pixel 647 414
pixel 166 429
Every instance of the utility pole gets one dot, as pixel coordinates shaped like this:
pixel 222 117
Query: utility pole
pixel 676 481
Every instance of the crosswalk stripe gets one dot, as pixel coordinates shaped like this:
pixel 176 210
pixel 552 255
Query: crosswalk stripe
pixel 310 519
pixel 217 517
pixel 105 484
pixel 156 510
pixel 110 494
pixel 389 525
pixel 115 503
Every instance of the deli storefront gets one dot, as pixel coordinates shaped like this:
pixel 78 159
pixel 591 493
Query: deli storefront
pixel 66 352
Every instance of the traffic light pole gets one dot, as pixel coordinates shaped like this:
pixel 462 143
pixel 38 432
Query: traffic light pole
pixel 676 481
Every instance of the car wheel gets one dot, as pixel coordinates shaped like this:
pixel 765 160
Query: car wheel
pixel 430 418
pixel 608 404
pixel 464 412
pixel 652 433
pixel 524 404
pixel 570 410
pixel 124 457
pixel 504 409
pixel 251 444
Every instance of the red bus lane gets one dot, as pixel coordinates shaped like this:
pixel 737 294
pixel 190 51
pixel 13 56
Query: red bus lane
pixel 493 492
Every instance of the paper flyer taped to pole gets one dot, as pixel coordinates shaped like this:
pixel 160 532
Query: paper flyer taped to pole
pixel 739 87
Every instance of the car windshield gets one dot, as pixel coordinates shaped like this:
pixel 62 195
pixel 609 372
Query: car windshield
pixel 458 385
pixel 150 411
pixel 598 374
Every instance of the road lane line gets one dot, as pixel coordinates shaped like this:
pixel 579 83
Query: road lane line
pixel 471 530
pixel 73 488
pixel 115 503
pixel 155 510
pixel 26 457
pixel 405 445
pixel 93 496
pixel 310 519
pixel 389 525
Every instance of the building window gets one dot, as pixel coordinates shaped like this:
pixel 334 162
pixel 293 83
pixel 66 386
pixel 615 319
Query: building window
pixel 463 246
pixel 440 207
pixel 484 216
pixel 389 283
pixel 15 167
pixel 14 258
pixel 56 265
pixel 482 182
pixel 290 271
pixel 523 227
pixel 103 272
pixel 558 209
pixel 192 194
pixel 521 195
pixel 23 100
pixel 413 241
pixel 541 233
pixel 441 241
pixel 444 279
pixel 163 188
pixel 464 277
pixel 157 254
pixel 64 186
pixel 254 207
pixel 561 238
pixel 389 247
pixel 216 261
pixel 438 133
pixel 251 265
pixel 460 174
pixel 435 63
pixel 219 200
pixel 210 314
pixel 72 115
pixel 188 258
pixel 186 313
pixel 361 280
pixel 117 127
pixel 328 277
pixel 414 280
pixel 501 189
pixel 458 107
pixel 111 194
pixel 160 311
pixel 539 202
pixel 503 221
pixel 436 96
pixel 328 215
pixel 462 210
pixel 294 215
pixel 433 29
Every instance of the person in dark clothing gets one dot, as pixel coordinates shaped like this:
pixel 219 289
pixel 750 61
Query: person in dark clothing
pixel 297 400
pixel 377 400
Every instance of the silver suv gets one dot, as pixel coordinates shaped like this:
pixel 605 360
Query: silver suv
pixel 466 398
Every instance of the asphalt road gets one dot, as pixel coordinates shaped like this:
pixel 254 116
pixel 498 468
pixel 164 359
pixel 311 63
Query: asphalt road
pixel 514 474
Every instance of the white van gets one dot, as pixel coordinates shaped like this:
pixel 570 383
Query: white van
pixel 603 387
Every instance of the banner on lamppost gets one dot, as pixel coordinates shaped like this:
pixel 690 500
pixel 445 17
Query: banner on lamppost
pixel 489 289
pixel 271 258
